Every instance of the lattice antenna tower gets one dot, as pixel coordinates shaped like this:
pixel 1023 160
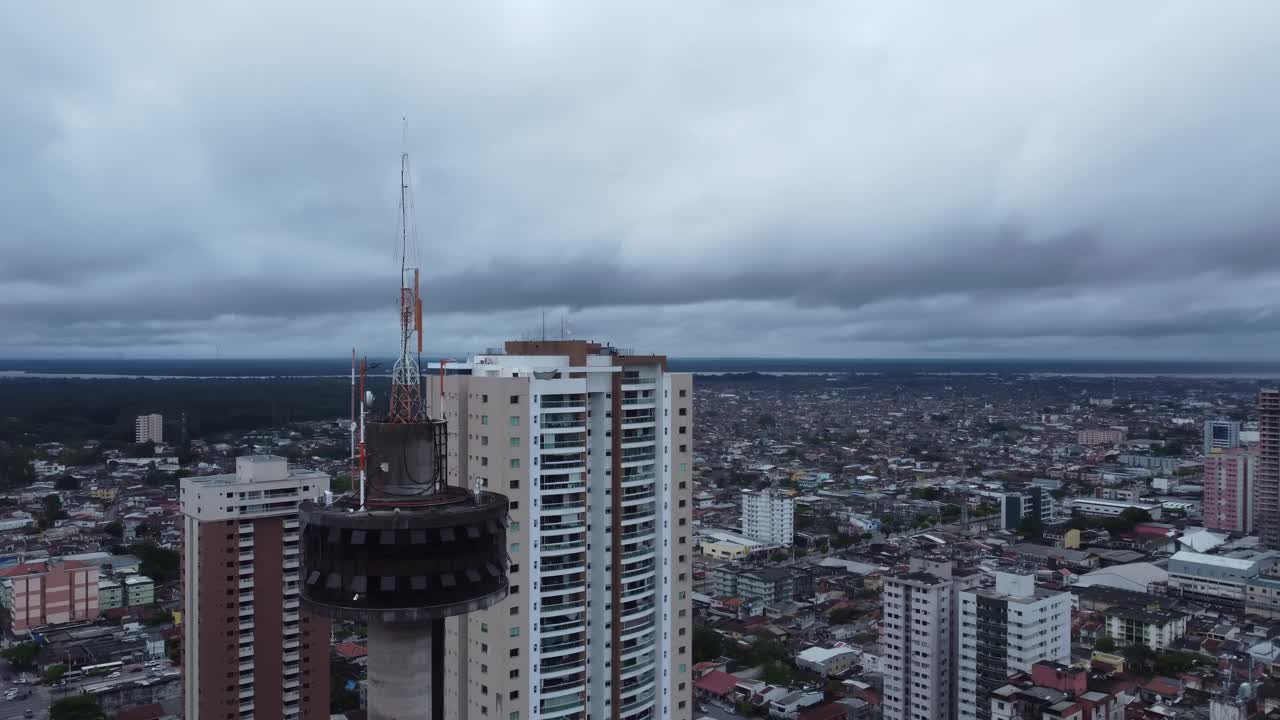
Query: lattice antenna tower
pixel 407 403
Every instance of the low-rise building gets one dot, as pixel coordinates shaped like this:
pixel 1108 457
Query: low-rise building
pixel 1216 579
pixel 1111 508
pixel 110 593
pixel 48 592
pixel 139 590
pixel 828 661
pixel 1154 628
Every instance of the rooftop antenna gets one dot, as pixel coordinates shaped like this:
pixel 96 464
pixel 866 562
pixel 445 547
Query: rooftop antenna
pixel 406 381
pixel 544 326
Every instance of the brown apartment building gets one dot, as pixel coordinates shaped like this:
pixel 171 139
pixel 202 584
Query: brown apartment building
pixel 249 651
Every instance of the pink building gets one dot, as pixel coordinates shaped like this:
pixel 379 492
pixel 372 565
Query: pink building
pixel 1228 490
pixel 48 593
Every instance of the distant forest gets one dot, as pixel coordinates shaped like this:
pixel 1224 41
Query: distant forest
pixel 45 410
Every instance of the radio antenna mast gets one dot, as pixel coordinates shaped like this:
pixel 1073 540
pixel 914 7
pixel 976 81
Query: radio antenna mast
pixel 406 382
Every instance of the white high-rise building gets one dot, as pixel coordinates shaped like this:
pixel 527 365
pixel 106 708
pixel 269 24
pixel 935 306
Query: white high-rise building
pixel 1004 630
pixel 768 516
pixel 149 428
pixel 1221 434
pixel 593 447
pixel 919 639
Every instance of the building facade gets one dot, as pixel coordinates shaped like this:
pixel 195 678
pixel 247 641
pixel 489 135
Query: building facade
pixel 768 516
pixel 249 651
pixel 1228 490
pixel 1221 435
pixel 1007 630
pixel 1100 436
pixel 48 592
pixel 919 638
pixel 149 428
pixel 593 447
pixel 1267 476
pixel 1033 502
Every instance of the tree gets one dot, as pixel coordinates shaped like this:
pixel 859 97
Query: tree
pixel 54 673
pixel 114 529
pixel 159 564
pixel 707 644
pixel 77 707
pixel 22 656
pixel 1031 526
pixel 52 511
pixel 841 616
pixel 775 673
pixel 141 450
pixel 1138 659
pixel 67 482
pixel 1104 643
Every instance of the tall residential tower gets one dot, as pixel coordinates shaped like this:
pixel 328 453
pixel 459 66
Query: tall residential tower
pixel 1266 492
pixel 249 651
pixel 593 447
pixel 1004 630
pixel 768 516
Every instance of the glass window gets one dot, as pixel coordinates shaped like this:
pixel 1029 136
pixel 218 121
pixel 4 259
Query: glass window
pixel 515 463
pixel 515 442
pixel 515 421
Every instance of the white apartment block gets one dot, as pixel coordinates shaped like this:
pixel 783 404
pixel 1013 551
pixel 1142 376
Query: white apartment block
pixel 248 647
pixel 593 448
pixel 919 639
pixel 149 428
pixel 769 517
pixel 1006 630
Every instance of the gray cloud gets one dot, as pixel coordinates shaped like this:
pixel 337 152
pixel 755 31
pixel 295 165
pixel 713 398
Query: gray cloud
pixel 832 180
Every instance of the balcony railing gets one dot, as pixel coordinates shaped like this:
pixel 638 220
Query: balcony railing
pixel 563 402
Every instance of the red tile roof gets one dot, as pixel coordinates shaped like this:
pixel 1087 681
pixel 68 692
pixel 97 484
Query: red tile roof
pixel 717 682
pixel 350 650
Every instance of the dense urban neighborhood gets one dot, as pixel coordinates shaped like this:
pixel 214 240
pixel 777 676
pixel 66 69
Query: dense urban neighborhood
pixel 864 546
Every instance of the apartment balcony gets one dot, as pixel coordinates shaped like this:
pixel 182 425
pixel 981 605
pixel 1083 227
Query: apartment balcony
pixel 560 404
pixel 290 684
pixel 638 419
pixel 638 512
pixel 563 508
pixel 636 612
pixel 246 694
pixel 246 666
pixel 548 466
pixel 638 455
pixel 575 484
pixel 641 495
pixel 641 535
pixel 562 423
pixel 246 625
pixel 291 564
pixel 563 608
pixel 246 597
pixel 562 667
pixel 559 708
pixel 640 401
pixel 643 635
pixel 640 667
pixel 634 653
pixel 569 686
pixel 568 646
pixel 291 657
pixel 641 573
pixel 246 556
pixel 637 480
pixel 637 703
pixel 291 552
pixel 292 696
pixel 246 584
pixel 291 605
pixel 574 526
pixel 637 594
pixel 245 529
pixel 291 525
pixel 291 617
pixel 550 570
pixel 564 588
pixel 246 707
pixel 562 548
pixel 245 652
pixel 246 542
pixel 641 553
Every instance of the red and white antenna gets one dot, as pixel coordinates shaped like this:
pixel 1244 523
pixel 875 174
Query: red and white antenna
pixel 407 404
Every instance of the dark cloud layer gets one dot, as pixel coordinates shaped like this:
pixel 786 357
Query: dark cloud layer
pixel 836 179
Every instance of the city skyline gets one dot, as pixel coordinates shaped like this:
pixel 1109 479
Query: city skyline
pixel 869 181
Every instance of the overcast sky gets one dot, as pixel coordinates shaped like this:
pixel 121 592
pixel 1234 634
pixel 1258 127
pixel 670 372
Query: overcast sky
pixel 851 179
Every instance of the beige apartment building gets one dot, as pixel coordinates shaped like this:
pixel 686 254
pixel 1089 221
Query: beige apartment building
pixel 594 447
